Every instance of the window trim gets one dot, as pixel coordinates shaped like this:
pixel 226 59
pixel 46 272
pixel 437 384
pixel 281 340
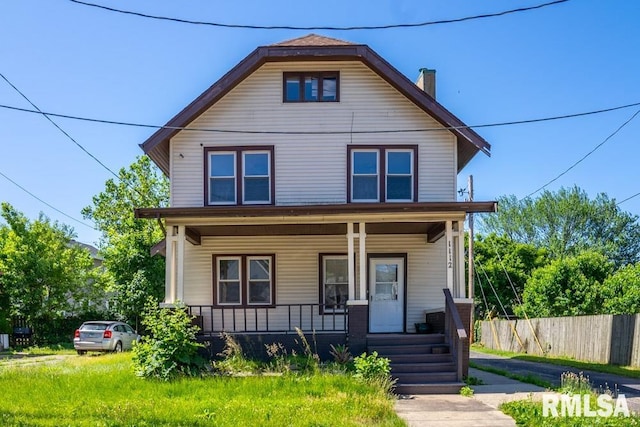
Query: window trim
pixel 382 171
pixel 387 174
pixel 235 177
pixel 239 172
pixel 321 258
pixel 378 174
pixel 217 278
pixel 244 280
pixel 248 259
pixel 320 75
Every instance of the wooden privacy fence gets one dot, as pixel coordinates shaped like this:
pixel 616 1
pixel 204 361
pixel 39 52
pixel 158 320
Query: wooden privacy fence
pixel 607 338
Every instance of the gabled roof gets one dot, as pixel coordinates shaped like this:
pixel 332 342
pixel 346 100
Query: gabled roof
pixel 314 48
pixel 313 40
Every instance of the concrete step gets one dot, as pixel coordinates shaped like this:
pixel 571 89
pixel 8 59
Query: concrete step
pixel 423 367
pixel 431 388
pixel 390 350
pixel 405 339
pixel 420 358
pixel 425 377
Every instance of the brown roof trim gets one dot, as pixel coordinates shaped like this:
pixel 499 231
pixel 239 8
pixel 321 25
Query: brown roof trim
pixel 469 142
pixel 346 208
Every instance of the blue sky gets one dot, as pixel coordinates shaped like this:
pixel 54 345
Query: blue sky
pixel 577 56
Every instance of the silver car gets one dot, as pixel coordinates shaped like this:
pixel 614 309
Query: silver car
pixel 104 336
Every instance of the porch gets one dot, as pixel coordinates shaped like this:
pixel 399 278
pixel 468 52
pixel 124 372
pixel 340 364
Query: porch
pixel 421 363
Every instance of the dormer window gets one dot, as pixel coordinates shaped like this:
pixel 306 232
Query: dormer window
pixel 311 87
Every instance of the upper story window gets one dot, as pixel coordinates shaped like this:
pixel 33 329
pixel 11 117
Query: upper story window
pixel 311 87
pixel 386 174
pixel 239 175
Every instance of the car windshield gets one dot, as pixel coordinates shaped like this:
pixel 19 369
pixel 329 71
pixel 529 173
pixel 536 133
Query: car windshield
pixel 94 326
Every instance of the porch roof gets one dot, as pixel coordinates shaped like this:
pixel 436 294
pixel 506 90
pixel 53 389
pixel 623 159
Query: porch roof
pixel 254 211
pixel 427 218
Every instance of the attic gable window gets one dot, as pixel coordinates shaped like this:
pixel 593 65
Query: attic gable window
pixel 311 87
pixel 239 175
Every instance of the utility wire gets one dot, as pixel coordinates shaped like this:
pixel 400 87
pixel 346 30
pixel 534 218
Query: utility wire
pixel 42 201
pixel 492 288
pixel 587 155
pixel 56 125
pixel 330 28
pixel 628 198
pixel 513 288
pixel 339 132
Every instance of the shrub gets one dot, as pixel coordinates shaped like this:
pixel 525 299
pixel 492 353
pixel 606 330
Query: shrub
pixel 170 349
pixel 341 354
pixel 466 391
pixel 572 383
pixel 372 367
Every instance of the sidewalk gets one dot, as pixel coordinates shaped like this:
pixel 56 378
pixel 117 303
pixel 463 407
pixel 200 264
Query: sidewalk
pixel 455 410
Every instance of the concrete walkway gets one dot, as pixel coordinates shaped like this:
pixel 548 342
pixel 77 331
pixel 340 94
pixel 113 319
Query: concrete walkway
pixel 455 410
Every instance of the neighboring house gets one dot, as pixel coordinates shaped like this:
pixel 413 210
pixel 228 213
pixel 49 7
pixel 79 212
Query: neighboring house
pixel 314 186
pixel 89 297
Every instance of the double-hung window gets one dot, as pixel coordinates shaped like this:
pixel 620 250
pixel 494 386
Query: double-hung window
pixel 244 280
pixel 382 174
pixel 311 87
pixel 334 282
pixel 239 175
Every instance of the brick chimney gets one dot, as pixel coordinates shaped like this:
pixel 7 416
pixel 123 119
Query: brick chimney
pixel 427 81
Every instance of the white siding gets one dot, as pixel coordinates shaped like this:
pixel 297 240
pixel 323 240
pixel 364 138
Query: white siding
pixel 297 276
pixel 312 168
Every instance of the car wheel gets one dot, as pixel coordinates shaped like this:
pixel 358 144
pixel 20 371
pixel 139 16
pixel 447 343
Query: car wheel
pixel 118 348
pixel 82 352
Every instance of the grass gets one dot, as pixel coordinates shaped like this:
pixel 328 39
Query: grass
pixel 103 391
pixel 564 361
pixel 528 413
pixel 530 379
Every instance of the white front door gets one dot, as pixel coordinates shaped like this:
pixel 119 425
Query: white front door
pixel 386 294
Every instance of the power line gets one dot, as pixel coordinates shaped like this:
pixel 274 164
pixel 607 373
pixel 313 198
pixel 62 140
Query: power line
pixel 587 155
pixel 329 28
pixel 339 132
pixel 42 201
pixel 628 198
pixel 56 125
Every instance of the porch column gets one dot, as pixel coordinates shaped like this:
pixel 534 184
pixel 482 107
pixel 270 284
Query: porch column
pixel 170 268
pixel 362 237
pixel 180 263
pixel 460 256
pixel 351 262
pixel 449 241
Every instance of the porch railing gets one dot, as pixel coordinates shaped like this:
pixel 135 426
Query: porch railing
pixel 281 318
pixel 455 332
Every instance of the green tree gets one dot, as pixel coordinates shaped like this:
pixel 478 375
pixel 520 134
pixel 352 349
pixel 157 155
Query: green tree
pixel 622 291
pixel 567 222
pixel 44 275
pixel 570 286
pixel 502 266
pixel 132 273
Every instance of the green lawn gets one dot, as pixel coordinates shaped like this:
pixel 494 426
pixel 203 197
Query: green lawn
pixel 103 391
pixel 564 361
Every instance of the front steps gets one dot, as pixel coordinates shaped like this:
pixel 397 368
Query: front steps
pixel 420 363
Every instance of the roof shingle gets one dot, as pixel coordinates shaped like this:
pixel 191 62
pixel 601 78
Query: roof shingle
pixel 313 40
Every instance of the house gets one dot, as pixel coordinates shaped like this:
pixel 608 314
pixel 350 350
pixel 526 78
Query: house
pixel 314 186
